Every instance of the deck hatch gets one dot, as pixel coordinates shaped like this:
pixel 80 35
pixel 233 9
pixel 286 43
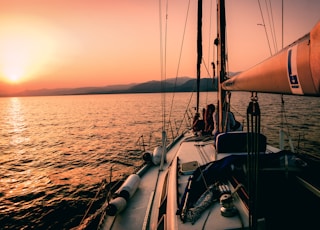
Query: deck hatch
pixel 189 167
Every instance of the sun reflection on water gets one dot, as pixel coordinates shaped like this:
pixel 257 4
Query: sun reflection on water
pixel 16 121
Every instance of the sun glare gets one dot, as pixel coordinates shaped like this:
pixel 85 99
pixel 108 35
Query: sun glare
pixel 25 48
pixel 14 77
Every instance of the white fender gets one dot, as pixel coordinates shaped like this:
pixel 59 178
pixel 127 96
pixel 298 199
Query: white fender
pixel 129 187
pixel 156 155
pixel 115 206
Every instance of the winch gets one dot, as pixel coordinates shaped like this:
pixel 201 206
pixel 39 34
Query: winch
pixel 226 200
pixel 228 209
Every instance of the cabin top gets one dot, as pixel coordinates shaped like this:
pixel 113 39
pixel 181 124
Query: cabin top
pixel 240 142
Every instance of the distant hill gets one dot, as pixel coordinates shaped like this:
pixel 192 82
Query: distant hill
pixel 74 91
pixel 182 84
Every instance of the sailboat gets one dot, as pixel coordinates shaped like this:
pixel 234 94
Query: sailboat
pixel 230 179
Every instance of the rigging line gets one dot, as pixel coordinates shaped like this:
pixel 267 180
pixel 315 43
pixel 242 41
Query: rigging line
pixel 209 48
pixel 226 51
pixel 214 54
pixel 227 75
pixel 282 24
pixel 185 112
pixel 285 118
pixel 163 57
pixel 103 184
pixel 209 33
pixel 271 24
pixel 179 60
pixel 210 76
pixel 234 110
pixel 187 108
pixel 264 25
pixel 164 95
pixel 206 67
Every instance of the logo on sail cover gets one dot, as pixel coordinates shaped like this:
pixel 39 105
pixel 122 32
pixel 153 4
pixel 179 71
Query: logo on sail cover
pixel 293 72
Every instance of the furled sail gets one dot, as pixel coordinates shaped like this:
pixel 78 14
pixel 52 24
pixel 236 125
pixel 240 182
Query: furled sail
pixel 294 70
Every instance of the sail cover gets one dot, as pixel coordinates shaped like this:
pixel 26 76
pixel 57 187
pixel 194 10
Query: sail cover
pixel 293 70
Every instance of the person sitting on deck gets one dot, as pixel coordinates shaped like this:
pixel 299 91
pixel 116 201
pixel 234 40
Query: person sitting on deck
pixel 230 123
pixel 209 120
pixel 198 124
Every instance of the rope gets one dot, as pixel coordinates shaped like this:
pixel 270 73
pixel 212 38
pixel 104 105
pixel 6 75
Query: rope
pixel 179 60
pixel 264 25
pixel 285 116
pixel 271 23
pixel 163 55
pixel 163 49
pixel 92 200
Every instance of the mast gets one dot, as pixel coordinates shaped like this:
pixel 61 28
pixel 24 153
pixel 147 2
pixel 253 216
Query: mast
pixel 220 42
pixel 199 52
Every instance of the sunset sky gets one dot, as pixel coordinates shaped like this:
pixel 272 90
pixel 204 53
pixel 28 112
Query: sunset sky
pixel 76 43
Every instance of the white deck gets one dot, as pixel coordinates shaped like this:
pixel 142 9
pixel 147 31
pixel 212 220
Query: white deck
pixel 142 211
pixel 203 152
pixel 136 215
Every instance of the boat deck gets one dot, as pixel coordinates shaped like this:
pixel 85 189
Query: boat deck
pixel 158 202
pixel 201 152
pixel 139 211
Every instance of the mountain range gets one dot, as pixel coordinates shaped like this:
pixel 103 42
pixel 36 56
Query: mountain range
pixel 181 84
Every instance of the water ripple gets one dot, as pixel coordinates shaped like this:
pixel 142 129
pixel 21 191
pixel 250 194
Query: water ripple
pixel 56 151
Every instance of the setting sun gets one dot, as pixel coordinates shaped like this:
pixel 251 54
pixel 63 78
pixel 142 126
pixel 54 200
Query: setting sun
pixel 25 49
pixel 70 44
pixel 13 78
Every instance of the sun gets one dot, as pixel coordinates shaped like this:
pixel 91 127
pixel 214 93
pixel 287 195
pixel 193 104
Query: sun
pixel 13 72
pixel 26 48
pixel 14 78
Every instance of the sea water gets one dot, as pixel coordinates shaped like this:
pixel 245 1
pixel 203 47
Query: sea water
pixel 55 151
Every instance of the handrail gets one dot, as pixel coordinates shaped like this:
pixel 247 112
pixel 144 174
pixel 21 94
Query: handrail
pixel 309 186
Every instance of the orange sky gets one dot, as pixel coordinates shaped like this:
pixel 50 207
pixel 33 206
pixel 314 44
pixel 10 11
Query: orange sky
pixel 75 43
